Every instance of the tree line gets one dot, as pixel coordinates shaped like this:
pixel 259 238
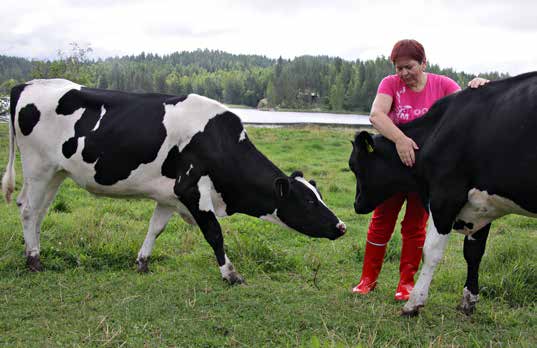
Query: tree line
pixel 306 82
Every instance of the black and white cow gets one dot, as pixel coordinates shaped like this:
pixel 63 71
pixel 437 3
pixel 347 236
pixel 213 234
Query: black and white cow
pixel 189 154
pixel 476 162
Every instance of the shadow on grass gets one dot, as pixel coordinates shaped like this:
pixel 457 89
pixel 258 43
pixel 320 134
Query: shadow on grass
pixel 102 258
pixel 259 253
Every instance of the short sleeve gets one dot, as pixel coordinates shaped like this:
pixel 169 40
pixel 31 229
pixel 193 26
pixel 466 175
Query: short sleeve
pixel 449 86
pixel 387 86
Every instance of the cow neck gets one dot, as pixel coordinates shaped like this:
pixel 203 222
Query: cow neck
pixel 421 129
pixel 256 187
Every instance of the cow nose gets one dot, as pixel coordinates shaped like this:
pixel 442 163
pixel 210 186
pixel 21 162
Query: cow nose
pixel 341 227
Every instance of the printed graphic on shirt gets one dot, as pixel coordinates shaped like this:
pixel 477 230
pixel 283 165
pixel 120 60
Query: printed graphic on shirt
pixel 406 113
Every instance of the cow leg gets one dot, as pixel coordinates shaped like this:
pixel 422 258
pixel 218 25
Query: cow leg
pixel 433 251
pixel 159 220
pixel 212 232
pixel 474 248
pixel 50 194
pixel 33 203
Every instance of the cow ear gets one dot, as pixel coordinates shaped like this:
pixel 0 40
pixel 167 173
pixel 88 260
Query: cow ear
pixel 297 173
pixel 313 183
pixel 281 187
pixel 364 141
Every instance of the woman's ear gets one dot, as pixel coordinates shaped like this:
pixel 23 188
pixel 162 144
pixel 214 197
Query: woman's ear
pixel 424 64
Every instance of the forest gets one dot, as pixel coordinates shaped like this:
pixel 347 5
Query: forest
pixel 318 83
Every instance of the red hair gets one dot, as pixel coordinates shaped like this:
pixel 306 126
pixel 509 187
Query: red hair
pixel 408 49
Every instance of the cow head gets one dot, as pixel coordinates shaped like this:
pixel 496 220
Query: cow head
pixel 378 170
pixel 300 207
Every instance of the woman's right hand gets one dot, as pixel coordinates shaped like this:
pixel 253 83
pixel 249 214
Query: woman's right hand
pixel 405 149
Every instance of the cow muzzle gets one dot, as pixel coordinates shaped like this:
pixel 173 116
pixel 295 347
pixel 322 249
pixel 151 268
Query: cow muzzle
pixel 341 227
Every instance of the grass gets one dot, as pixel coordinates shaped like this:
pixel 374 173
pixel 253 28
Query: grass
pixel 298 289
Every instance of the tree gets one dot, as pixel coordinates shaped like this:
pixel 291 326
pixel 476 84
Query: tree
pixel 271 94
pixel 233 89
pixel 354 92
pixel 7 85
pixel 74 65
pixel 238 79
pixel 173 83
pixel 102 81
pixel 337 94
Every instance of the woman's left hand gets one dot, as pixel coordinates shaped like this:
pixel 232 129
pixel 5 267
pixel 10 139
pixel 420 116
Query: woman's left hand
pixel 477 82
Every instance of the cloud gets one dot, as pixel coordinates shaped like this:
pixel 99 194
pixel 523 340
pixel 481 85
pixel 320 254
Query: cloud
pixel 516 15
pixel 465 35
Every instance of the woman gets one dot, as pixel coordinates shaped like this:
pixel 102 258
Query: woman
pixel 401 98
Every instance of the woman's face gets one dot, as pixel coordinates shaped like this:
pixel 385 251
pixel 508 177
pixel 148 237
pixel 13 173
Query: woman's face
pixel 409 70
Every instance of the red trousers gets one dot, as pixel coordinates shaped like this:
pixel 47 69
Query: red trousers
pixel 385 216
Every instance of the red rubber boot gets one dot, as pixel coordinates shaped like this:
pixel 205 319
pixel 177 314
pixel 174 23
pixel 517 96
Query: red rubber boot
pixel 410 261
pixel 373 259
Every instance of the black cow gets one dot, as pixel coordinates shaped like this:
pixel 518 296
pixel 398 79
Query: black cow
pixel 477 162
pixel 189 154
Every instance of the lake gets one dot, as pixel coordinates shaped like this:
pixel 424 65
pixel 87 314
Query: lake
pixel 281 118
pixel 258 117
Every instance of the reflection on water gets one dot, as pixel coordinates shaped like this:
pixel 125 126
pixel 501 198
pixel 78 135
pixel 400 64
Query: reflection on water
pixel 254 116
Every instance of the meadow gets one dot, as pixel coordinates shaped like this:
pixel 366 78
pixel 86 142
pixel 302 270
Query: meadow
pixel 298 288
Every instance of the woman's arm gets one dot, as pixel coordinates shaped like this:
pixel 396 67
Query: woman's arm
pixel 383 124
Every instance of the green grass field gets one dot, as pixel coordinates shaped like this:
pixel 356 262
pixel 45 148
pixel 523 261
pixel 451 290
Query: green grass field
pixel 297 291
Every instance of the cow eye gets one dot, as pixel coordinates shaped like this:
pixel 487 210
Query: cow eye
pixel 311 201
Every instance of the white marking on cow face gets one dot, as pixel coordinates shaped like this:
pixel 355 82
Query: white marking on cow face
pixel 242 136
pixel 210 199
pixel 186 118
pixel 274 219
pixel 340 225
pixel 482 208
pixel 103 111
pixel 189 169
pixel 310 186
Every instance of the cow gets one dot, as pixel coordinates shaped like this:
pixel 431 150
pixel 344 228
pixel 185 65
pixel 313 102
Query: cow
pixel 190 154
pixel 476 162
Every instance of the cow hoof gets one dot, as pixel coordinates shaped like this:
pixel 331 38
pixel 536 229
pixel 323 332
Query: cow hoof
pixel 414 312
pixel 468 302
pixel 468 310
pixel 234 278
pixel 467 307
pixel 34 264
pixel 143 265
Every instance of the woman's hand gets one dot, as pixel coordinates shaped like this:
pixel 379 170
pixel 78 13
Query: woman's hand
pixel 477 82
pixel 405 149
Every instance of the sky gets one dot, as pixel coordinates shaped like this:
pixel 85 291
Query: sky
pixel 471 35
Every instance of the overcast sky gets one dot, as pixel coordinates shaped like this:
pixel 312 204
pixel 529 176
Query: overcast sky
pixel 469 35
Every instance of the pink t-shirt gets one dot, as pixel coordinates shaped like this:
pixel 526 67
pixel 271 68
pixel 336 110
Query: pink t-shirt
pixel 408 105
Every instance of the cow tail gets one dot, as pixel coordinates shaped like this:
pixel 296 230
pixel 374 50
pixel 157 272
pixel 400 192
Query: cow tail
pixel 8 180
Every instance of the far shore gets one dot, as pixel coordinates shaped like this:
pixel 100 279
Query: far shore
pixel 313 110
